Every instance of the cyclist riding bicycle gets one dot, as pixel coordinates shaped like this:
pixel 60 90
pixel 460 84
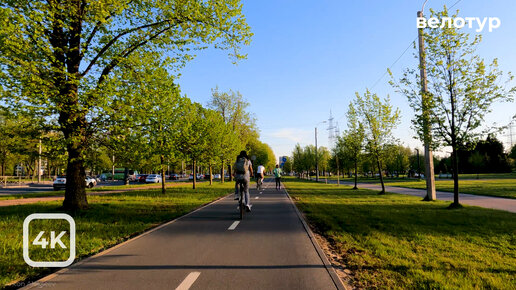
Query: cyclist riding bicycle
pixel 243 170
pixel 259 175
pixel 277 174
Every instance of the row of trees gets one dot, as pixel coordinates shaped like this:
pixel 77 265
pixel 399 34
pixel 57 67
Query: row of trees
pixel 461 89
pixel 83 68
pixel 151 133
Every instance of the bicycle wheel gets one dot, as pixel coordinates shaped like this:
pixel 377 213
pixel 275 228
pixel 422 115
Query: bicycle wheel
pixel 241 202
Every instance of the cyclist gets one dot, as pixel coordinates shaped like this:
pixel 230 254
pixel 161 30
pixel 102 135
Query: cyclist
pixel 277 174
pixel 260 171
pixel 243 170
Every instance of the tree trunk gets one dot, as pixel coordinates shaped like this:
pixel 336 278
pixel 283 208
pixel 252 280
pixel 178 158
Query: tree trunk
pixel 222 172
pixel 381 177
pixel 163 178
pixel 75 193
pixel 211 175
pixel 455 159
pixel 126 176
pixel 194 172
pixel 356 174
pixel 455 168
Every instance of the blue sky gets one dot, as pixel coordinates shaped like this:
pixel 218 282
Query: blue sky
pixel 309 57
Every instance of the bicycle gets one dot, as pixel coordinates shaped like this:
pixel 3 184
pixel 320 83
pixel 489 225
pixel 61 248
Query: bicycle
pixel 241 204
pixel 259 183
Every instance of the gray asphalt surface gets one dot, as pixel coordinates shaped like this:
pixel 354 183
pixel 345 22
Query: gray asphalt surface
pixel 268 249
pixel 37 188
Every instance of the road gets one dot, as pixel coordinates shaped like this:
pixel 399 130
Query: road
pixel 35 188
pixel 211 249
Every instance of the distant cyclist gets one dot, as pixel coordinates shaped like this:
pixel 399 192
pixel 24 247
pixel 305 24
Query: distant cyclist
pixel 260 172
pixel 277 174
pixel 243 170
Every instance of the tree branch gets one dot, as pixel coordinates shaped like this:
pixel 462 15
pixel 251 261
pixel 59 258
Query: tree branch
pixel 113 40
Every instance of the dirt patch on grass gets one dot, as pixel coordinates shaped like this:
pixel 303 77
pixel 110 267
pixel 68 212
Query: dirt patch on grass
pixel 337 261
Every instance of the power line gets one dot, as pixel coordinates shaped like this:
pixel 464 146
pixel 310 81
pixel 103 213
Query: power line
pixel 396 61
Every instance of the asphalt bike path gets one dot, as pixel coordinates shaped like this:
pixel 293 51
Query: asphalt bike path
pixel 211 248
pixel 500 203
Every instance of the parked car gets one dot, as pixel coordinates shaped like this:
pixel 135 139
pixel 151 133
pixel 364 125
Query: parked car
pixel 60 182
pixel 190 177
pixel 153 178
pixel 216 176
pixel 207 176
pixel 174 176
pixel 200 176
pixel 90 182
pixel 142 177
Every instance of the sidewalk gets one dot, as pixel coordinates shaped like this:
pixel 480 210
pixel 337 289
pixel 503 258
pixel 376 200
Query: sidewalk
pixel 492 202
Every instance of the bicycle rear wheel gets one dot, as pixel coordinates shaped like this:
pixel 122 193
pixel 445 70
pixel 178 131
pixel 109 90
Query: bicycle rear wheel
pixel 241 202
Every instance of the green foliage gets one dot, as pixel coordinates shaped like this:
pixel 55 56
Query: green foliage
pixel 263 154
pixel 379 120
pixel 63 60
pixel 461 88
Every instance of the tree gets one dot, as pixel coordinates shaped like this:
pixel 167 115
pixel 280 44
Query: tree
pixel 379 119
pixel 241 124
pixel 57 58
pixel 353 139
pixel 323 158
pixel 263 154
pixel 461 89
pixel 194 136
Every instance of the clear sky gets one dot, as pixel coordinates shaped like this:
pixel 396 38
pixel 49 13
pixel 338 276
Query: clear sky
pixel 309 57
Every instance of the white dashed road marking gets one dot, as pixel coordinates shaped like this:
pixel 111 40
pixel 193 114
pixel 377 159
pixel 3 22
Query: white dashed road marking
pixel 233 225
pixel 188 281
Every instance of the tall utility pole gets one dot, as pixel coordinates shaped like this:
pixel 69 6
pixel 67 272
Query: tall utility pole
pixel 316 158
pixel 427 138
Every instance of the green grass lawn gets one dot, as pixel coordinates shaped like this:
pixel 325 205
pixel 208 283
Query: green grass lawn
pixel 92 190
pixel 492 187
pixel 111 219
pixel 495 184
pixel 398 241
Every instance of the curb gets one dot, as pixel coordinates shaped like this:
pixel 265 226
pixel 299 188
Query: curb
pixel 41 282
pixel 334 277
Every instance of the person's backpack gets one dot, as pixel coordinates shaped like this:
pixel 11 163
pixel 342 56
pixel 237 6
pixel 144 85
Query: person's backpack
pixel 241 166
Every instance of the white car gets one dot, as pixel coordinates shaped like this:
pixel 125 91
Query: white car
pixel 216 176
pixel 153 178
pixel 60 182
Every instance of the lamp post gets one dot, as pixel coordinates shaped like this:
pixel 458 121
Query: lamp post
pixel 317 154
pixel 427 132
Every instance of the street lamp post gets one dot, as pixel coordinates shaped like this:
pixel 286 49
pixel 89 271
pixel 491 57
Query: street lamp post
pixel 317 154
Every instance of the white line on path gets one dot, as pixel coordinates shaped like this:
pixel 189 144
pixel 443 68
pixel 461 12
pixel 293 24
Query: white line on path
pixel 257 197
pixel 188 281
pixel 233 225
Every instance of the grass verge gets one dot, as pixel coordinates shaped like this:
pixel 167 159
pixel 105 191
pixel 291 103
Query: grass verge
pixel 93 190
pixel 490 187
pixel 397 241
pixel 111 219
